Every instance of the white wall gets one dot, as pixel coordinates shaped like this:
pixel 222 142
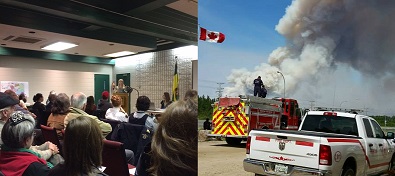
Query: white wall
pixel 46 75
pixel 152 73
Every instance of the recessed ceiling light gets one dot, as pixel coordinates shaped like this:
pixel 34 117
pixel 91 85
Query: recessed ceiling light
pixel 59 46
pixel 119 54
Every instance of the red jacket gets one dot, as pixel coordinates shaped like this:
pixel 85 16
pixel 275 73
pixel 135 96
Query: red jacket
pixel 15 163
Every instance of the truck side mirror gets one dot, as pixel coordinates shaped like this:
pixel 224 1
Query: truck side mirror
pixel 390 135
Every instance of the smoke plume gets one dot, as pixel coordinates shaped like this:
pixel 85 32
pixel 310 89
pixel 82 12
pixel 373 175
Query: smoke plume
pixel 321 35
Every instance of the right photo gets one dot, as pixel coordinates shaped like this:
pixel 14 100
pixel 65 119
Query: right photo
pixel 296 87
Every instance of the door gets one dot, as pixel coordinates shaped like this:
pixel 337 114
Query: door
pixel 125 77
pixel 102 83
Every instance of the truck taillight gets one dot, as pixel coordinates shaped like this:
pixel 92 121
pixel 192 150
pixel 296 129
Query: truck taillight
pixel 330 113
pixel 248 145
pixel 325 155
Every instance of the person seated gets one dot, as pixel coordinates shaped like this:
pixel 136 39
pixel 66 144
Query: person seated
pixel 140 117
pixel 80 159
pixel 38 108
pixel 90 105
pixel 173 150
pixel 117 112
pixel 16 157
pixel 166 100
pixel 78 104
pixel 104 105
pixel 60 110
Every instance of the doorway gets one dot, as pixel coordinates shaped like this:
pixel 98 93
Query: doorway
pixel 102 83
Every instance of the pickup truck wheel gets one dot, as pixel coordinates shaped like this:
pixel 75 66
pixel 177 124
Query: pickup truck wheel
pixel 348 172
pixel 233 141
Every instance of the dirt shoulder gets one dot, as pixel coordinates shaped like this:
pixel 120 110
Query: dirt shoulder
pixel 218 158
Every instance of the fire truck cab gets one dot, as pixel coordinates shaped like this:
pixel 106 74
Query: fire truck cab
pixel 234 117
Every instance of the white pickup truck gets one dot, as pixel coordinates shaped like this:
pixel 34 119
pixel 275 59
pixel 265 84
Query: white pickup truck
pixel 327 143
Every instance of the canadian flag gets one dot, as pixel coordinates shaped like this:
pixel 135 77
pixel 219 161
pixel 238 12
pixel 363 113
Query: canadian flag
pixel 211 36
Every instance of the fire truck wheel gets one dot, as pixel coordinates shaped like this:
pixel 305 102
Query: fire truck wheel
pixel 233 141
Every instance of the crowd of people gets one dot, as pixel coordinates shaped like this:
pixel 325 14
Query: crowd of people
pixel 171 151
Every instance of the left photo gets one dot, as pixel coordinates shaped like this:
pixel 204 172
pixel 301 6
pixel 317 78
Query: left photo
pixel 98 87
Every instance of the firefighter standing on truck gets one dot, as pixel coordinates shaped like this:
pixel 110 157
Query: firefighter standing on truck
pixel 257 86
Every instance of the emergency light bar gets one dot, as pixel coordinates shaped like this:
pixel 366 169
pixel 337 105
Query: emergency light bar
pixel 338 109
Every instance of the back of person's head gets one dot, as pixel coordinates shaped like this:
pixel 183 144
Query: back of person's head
pixel 90 100
pixel 116 100
pixel 105 95
pixel 83 145
pixel 17 130
pixel 12 94
pixel 51 97
pixel 167 96
pixel 176 130
pixel 61 105
pixel 78 100
pixel 37 97
pixel 143 103
pixel 22 97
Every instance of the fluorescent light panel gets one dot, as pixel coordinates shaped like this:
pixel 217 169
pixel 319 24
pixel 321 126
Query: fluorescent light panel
pixel 119 54
pixel 59 46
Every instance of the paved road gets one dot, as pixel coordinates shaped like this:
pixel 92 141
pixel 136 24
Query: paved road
pixel 218 158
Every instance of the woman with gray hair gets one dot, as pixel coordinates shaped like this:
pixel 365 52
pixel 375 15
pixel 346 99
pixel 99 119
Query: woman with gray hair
pixel 16 157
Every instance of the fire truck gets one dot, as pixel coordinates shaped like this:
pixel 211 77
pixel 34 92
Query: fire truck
pixel 235 117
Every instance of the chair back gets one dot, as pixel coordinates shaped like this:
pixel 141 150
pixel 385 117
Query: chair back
pixel 114 158
pixel 49 134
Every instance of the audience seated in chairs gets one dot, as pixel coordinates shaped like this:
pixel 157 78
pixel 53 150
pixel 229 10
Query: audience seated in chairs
pixel 173 150
pixel 16 157
pixel 83 146
pixel 117 112
pixel 45 150
pixel 78 103
pixel 60 109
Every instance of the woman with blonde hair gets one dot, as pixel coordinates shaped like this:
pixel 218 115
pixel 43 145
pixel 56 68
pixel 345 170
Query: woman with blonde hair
pixel 83 146
pixel 173 150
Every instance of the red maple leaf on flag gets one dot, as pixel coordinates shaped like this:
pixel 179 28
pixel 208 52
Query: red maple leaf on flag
pixel 212 36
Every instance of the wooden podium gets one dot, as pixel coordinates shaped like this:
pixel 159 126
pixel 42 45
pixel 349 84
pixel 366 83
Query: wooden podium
pixel 125 101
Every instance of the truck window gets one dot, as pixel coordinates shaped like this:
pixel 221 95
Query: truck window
pixel 286 106
pixel 330 124
pixel 368 128
pixel 292 110
pixel 377 130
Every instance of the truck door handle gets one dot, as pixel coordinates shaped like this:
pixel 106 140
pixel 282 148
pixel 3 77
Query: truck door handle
pixel 370 145
pixel 380 145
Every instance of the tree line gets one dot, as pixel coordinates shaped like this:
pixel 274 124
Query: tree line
pixel 205 107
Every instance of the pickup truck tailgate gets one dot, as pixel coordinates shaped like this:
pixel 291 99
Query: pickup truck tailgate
pixel 292 149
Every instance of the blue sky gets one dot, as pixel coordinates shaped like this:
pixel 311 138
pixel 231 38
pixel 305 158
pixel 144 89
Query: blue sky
pixel 250 37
